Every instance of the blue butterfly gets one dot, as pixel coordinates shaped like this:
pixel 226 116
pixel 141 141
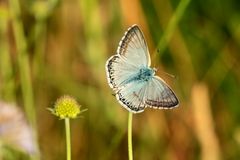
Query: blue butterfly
pixel 131 78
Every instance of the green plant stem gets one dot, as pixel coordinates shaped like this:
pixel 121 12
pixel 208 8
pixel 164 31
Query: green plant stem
pixel 68 138
pixel 172 25
pixel 130 151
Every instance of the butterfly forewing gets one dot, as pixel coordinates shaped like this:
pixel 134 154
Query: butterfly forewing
pixel 118 71
pixel 133 47
pixel 132 53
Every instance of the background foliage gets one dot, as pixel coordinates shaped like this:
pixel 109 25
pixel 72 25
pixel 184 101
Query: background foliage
pixel 52 48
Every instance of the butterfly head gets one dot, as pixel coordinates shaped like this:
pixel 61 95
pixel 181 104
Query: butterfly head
pixel 155 70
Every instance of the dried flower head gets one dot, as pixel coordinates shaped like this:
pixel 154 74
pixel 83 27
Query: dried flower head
pixel 66 107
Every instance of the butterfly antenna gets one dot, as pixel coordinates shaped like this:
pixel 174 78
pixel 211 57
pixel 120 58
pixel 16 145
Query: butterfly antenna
pixel 170 75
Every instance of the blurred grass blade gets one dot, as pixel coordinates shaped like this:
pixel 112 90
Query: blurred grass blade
pixel 41 10
pixel 204 123
pixel 172 25
pixel 6 70
pixel 95 49
pixel 23 63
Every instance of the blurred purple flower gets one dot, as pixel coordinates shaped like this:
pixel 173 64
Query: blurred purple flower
pixel 14 130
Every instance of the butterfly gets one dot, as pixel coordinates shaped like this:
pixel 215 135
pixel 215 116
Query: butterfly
pixel 129 74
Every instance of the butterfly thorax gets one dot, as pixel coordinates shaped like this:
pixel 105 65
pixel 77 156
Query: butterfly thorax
pixel 144 74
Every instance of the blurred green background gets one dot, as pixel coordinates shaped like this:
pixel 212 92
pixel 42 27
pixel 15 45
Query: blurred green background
pixel 54 48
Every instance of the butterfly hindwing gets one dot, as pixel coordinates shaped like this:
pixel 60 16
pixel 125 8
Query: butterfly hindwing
pixel 155 93
pixel 131 97
pixel 159 94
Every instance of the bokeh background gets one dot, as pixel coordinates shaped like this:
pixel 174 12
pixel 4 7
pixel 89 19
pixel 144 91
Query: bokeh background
pixel 54 48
